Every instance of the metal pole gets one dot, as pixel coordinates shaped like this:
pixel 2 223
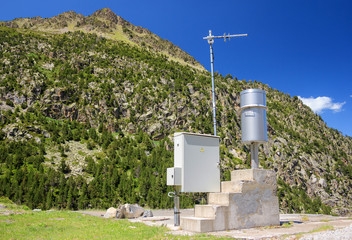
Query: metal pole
pixel 213 84
pixel 176 208
pixel 254 156
pixel 210 39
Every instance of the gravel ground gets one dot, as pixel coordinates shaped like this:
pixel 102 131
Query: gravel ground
pixel 302 226
pixel 339 234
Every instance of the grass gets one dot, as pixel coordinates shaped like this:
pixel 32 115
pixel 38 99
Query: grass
pixel 287 224
pixel 11 207
pixel 320 229
pixel 72 225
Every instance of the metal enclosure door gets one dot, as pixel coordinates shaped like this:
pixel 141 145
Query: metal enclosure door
pixel 198 156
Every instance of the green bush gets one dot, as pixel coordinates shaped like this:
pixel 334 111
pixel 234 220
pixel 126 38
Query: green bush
pixel 9 103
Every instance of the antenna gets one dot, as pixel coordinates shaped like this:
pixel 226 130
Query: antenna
pixel 210 39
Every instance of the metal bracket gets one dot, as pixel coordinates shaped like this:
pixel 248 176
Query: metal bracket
pixel 171 194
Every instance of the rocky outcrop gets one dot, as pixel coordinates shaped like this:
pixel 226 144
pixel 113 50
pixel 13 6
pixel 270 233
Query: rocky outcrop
pixel 17 132
pixel 107 14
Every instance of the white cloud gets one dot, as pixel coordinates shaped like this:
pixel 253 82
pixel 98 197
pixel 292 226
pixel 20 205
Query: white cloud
pixel 350 95
pixel 319 104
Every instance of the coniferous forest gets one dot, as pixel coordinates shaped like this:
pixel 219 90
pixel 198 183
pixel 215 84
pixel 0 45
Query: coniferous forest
pixel 123 173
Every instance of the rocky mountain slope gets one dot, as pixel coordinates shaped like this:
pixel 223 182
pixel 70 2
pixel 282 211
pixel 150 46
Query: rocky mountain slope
pixel 89 106
pixel 106 23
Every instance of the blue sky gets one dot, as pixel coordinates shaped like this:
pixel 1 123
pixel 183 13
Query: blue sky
pixel 300 47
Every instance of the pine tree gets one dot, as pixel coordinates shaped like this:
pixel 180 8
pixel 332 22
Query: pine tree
pixel 71 194
pixel 49 199
pixel 61 199
pixel 82 200
pixel 64 168
pixel 70 199
pixel 90 164
pixel 93 134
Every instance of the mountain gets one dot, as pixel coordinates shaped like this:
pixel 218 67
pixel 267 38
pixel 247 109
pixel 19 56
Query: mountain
pixel 89 106
pixel 106 23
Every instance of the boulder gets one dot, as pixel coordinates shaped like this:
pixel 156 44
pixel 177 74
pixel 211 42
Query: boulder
pixel 111 213
pixel 133 211
pixel 147 213
pixel 121 212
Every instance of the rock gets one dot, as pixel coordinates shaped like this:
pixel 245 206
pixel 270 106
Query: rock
pixel 36 139
pixel 148 114
pixel 148 213
pixel 281 140
pixel 46 134
pixel 111 213
pixel 48 66
pixel 154 128
pixel 322 182
pixel 131 128
pixel 133 211
pixel 313 178
pixel 121 212
pixel 190 88
pixel 36 210
pixel 3 206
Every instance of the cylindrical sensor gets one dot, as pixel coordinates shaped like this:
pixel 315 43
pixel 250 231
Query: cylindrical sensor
pixel 253 116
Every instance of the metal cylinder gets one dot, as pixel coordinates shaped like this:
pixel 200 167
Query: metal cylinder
pixel 253 116
pixel 254 156
pixel 176 210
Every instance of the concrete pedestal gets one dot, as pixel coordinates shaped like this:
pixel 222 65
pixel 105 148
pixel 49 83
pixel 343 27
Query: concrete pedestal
pixel 248 200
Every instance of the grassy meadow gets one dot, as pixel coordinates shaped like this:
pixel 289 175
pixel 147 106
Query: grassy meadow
pixel 18 222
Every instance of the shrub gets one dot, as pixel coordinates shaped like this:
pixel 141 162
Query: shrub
pixel 9 103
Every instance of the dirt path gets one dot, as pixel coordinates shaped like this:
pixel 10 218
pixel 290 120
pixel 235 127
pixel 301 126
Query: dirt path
pixel 93 213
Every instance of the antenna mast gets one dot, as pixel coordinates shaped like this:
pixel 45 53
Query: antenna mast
pixel 210 39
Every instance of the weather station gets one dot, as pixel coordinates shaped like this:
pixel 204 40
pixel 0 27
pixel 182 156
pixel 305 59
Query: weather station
pixel 196 156
pixel 249 199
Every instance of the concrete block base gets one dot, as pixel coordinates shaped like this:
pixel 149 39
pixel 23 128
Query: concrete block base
pixel 248 200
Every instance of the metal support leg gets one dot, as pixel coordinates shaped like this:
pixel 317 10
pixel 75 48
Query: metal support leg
pixel 176 210
pixel 254 156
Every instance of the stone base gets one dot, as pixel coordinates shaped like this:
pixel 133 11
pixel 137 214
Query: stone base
pixel 248 200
